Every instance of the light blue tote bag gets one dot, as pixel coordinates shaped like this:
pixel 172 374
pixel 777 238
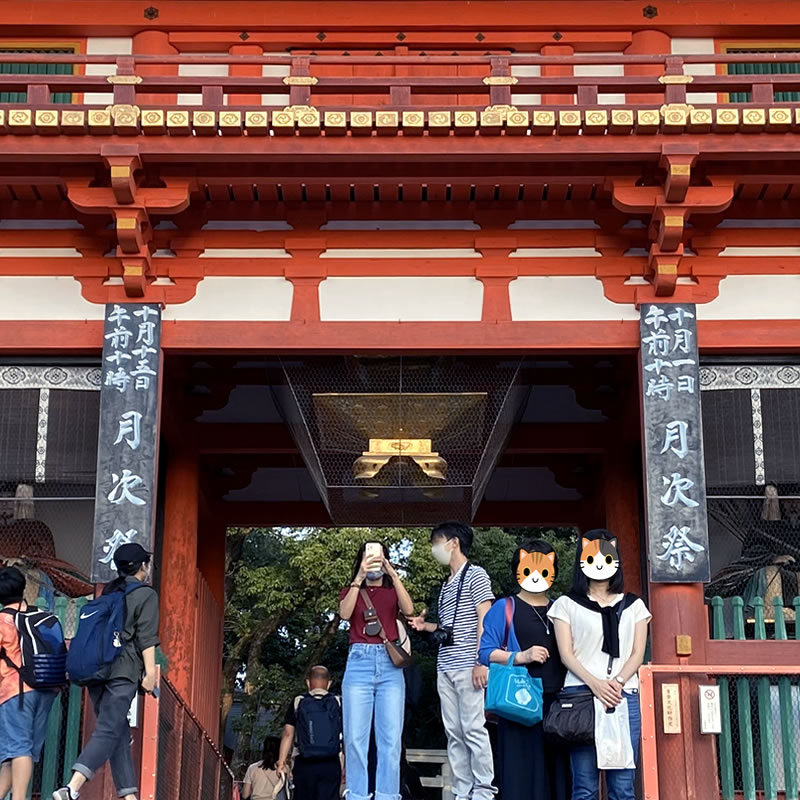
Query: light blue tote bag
pixel 512 693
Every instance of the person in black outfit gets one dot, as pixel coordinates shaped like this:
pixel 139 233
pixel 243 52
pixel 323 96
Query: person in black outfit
pixel 317 777
pixel 530 767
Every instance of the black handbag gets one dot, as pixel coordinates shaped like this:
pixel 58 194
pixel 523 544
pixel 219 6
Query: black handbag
pixel 570 719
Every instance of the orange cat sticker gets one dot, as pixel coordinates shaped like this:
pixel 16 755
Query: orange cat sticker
pixel 599 559
pixel 536 572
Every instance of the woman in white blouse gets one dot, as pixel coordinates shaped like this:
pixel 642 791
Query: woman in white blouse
pixel 602 635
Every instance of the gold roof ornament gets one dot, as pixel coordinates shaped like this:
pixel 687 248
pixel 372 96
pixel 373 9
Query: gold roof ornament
pixel 382 451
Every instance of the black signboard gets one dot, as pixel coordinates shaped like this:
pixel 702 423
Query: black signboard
pixel 127 448
pixel 677 522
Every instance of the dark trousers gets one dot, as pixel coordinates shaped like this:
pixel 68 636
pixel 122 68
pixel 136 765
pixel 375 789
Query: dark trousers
pixel 111 738
pixel 530 766
pixel 317 779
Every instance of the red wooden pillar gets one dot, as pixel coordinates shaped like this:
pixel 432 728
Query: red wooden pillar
pixel 621 493
pixel 556 69
pixel 647 43
pixel 686 761
pixel 154 43
pixel 179 569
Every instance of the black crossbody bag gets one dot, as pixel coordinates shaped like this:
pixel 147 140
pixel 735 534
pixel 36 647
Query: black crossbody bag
pixel 570 719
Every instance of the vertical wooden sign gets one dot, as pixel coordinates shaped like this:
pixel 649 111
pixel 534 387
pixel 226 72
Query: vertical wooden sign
pixel 128 440
pixel 677 522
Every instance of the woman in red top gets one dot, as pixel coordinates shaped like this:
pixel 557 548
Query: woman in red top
pixel 371 682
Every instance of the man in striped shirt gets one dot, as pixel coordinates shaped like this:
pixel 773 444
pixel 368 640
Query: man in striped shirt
pixel 464 599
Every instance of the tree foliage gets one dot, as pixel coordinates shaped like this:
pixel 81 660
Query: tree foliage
pixel 281 618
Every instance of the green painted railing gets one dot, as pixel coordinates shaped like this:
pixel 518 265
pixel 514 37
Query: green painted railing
pixel 758 776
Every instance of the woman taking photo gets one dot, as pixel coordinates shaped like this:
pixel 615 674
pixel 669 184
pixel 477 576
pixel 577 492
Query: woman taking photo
pixel 529 768
pixel 371 682
pixel 601 634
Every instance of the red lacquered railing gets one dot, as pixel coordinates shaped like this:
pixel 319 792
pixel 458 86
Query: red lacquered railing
pixel 307 80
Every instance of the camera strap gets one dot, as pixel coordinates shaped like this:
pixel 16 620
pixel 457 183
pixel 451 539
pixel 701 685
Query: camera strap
pixel 368 603
pixel 464 571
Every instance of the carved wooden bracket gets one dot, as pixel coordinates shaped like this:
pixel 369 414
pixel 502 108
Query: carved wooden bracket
pixel 679 174
pixel 662 270
pixel 670 208
pixel 130 207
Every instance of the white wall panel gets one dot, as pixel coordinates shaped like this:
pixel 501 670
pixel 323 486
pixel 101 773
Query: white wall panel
pixel 44 298
pixel 401 299
pixel 105 46
pixel 551 299
pixel 240 299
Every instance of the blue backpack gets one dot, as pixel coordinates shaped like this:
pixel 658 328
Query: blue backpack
pixel 98 640
pixel 42 650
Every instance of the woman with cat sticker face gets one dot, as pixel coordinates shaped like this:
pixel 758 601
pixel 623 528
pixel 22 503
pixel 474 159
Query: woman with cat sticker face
pixel 529 767
pixel 601 634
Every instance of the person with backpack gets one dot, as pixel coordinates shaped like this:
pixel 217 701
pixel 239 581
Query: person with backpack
pixel 314 724
pixel 113 654
pixel 32 658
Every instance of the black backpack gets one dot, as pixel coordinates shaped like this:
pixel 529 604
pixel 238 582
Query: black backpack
pixel 42 649
pixel 318 725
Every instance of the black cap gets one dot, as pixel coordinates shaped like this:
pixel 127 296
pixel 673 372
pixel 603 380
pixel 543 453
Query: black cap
pixel 131 554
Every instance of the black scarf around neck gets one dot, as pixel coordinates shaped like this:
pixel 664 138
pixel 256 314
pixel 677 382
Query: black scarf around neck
pixel 610 616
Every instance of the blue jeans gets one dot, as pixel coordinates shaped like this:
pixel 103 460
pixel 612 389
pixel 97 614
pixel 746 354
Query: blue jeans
pixel 372 682
pixel 583 760
pixel 111 739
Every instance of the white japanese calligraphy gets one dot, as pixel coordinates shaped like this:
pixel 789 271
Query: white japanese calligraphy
pixel 119 379
pixel 123 489
pixel 678 547
pixel 660 388
pixel 676 438
pixel 683 340
pixel 658 343
pixel 118 315
pixel 117 539
pixel 655 318
pixel 680 315
pixel 130 429
pixel 120 337
pixel 658 365
pixel 678 486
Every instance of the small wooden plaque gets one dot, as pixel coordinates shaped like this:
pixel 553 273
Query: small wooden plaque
pixel 671 707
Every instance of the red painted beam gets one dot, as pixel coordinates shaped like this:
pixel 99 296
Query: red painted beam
pixel 321 149
pixel 80 337
pixel 125 16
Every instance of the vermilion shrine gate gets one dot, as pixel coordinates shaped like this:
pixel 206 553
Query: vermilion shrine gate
pixel 397 262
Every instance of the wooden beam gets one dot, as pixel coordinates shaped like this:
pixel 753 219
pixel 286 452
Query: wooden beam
pixel 275 439
pixel 510 514
pixel 123 17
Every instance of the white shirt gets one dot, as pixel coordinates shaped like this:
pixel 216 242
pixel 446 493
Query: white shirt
pixel 587 637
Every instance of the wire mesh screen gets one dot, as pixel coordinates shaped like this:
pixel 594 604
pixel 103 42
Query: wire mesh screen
pixel 188 763
pixel 48 445
pixel 751 432
pixel 759 748
pixel 400 440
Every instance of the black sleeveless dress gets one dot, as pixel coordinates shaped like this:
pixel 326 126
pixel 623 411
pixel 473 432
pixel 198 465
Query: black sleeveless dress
pixel 530 768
